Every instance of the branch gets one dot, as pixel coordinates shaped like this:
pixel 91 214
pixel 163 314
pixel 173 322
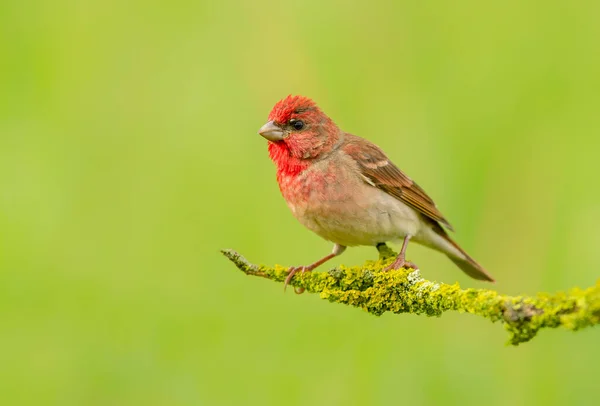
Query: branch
pixel 405 291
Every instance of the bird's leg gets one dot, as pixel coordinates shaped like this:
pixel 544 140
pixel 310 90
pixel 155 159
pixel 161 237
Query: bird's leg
pixel 401 261
pixel 337 250
pixel 385 252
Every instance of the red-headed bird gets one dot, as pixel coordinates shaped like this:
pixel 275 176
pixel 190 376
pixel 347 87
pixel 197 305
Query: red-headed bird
pixel 346 190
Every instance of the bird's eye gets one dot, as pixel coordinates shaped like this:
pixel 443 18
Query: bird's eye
pixel 297 124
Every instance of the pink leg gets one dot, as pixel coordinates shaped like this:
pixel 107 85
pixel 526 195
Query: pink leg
pixel 337 250
pixel 401 261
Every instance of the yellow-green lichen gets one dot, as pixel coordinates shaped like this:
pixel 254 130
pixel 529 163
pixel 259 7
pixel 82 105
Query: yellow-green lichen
pixel 405 291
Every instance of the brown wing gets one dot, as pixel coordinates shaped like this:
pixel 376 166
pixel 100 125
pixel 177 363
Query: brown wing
pixel 379 171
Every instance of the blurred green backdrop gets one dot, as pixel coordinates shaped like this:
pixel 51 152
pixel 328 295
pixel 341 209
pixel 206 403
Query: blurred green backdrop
pixel 129 157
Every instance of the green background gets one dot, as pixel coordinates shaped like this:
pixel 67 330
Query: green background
pixel 129 156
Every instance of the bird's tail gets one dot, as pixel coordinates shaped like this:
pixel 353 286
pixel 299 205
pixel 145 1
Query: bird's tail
pixel 467 264
pixel 472 268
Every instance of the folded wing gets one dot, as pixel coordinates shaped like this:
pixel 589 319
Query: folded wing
pixel 380 172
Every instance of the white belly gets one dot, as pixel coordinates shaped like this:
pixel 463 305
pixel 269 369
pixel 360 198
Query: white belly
pixel 360 219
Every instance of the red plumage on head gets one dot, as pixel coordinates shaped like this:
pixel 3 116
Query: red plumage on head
pixel 285 108
pixel 292 154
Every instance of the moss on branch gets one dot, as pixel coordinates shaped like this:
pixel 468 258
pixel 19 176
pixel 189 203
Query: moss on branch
pixel 405 291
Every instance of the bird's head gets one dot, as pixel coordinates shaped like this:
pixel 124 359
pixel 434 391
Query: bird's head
pixel 297 125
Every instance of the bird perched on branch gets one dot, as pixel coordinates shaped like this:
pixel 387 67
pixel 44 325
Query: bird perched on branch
pixel 345 189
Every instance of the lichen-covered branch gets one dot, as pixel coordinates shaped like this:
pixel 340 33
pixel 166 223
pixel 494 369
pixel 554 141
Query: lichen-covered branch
pixel 405 291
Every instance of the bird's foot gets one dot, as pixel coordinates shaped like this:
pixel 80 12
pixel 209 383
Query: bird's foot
pixel 400 262
pixel 293 270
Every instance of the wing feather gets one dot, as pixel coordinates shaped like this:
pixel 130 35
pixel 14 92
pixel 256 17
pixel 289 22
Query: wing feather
pixel 380 172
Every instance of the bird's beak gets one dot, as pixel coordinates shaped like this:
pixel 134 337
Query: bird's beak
pixel 271 132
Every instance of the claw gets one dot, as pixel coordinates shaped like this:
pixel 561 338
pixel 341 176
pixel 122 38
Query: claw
pixel 400 263
pixel 293 270
pixel 291 274
pixel 337 250
pixel 412 265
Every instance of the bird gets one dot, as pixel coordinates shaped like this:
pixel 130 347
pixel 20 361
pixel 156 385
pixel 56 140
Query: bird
pixel 345 189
